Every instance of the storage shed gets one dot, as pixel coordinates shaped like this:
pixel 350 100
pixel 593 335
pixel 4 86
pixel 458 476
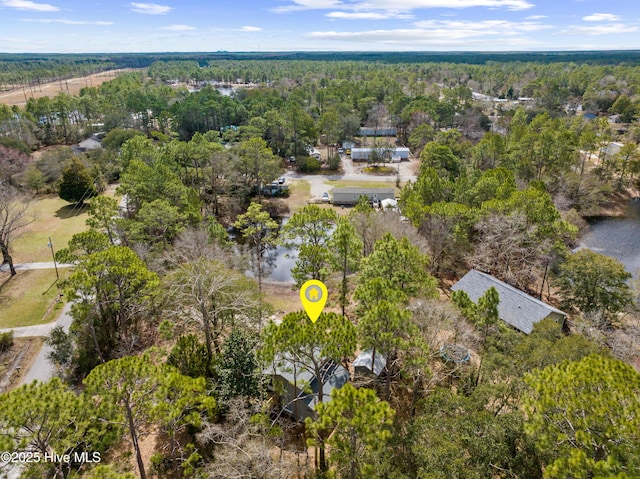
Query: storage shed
pixel 350 196
pixel 366 365
pixel 516 307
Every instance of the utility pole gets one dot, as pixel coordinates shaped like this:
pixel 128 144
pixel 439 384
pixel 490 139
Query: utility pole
pixel 55 265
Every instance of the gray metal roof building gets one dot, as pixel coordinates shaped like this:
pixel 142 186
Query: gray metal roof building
pixel 515 308
pixel 380 131
pixel 351 195
pixel 362 364
pixel 364 153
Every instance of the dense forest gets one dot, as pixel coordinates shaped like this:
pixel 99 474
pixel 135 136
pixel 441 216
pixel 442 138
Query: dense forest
pixel 177 336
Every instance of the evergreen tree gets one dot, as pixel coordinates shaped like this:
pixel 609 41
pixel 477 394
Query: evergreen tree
pixel 585 417
pixel 76 183
pixel 309 231
pixel 359 424
pixel 260 231
pixel 346 248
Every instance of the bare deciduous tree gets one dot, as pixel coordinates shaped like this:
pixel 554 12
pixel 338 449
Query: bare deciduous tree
pixel 207 293
pixel 241 449
pixel 371 225
pixel 509 248
pixel 14 215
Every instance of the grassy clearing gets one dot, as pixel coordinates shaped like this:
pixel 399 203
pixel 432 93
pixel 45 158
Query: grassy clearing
pixel 299 194
pixel 283 298
pixel 364 184
pixel 26 298
pixel 380 170
pixel 54 218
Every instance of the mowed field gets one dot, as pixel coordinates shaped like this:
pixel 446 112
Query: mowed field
pixel 31 297
pixel 53 218
pixel 71 86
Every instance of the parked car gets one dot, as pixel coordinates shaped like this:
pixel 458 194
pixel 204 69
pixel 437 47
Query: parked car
pixel 325 197
pixel 341 150
pixel 281 180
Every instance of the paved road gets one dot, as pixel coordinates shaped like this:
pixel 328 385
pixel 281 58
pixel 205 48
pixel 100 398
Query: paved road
pixel 42 369
pixel 29 266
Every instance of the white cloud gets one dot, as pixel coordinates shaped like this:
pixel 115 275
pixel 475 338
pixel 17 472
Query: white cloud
pixel 368 15
pixel 601 17
pixel 64 21
pixel 178 28
pixel 11 40
pixel 248 28
pixel 399 5
pixel 419 4
pixel 536 17
pixel 604 29
pixel 150 8
pixel 28 5
pixel 308 5
pixel 467 28
pixel 446 33
pixel 423 38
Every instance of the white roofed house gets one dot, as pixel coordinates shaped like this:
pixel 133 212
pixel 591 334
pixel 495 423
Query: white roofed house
pixel 515 308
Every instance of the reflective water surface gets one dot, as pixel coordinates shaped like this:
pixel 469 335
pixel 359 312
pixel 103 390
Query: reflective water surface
pixel 617 237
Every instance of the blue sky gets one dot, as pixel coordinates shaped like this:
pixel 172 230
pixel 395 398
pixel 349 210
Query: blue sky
pixel 70 26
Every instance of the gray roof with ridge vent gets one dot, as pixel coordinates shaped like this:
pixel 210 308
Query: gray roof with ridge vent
pixel 515 308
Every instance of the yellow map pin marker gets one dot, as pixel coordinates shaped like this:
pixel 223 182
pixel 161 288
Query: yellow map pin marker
pixel 313 295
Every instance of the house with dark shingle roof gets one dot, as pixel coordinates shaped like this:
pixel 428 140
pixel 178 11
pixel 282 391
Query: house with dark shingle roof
pixel 516 308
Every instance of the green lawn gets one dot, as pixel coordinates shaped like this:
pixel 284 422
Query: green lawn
pixel 365 184
pixel 54 218
pixel 25 298
pixel 299 194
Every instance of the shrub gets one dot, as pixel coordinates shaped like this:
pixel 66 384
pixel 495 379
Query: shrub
pixel 334 162
pixel 6 341
pixel 307 164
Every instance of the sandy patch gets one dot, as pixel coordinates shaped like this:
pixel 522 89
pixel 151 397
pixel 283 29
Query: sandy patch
pixel 72 86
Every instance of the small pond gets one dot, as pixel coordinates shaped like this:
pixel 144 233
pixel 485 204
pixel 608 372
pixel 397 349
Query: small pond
pixel 617 237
